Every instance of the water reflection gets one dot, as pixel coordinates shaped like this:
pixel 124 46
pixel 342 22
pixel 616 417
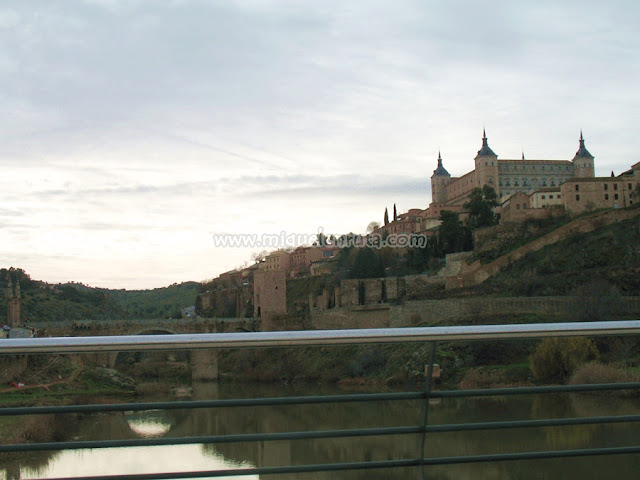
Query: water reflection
pixel 198 422
pixel 154 423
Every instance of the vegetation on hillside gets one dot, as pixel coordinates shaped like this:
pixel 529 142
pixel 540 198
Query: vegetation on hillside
pixel 42 301
pixel 609 256
pixel 164 302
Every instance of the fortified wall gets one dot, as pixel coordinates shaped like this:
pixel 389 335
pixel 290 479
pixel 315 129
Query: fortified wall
pixel 447 311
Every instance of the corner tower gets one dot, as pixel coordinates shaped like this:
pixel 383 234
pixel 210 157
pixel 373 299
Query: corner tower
pixel 487 165
pixel 439 181
pixel 583 161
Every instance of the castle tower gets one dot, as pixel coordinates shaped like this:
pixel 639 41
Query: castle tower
pixel 439 180
pixel 13 304
pixel 583 161
pixel 487 166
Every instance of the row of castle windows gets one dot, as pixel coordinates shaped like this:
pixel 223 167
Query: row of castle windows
pixel 523 168
pixel 606 187
pixel 526 182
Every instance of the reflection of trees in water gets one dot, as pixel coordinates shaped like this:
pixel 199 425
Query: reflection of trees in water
pixel 34 428
pixel 199 422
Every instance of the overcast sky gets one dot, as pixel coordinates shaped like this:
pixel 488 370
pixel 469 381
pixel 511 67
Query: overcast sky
pixel 133 131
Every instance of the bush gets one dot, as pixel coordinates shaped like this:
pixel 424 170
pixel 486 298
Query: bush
pixel 555 359
pixel 596 372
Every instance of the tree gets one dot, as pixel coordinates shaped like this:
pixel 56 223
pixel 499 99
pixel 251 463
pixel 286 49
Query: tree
pixel 451 232
pixel 258 257
pixel 480 206
pixel 395 213
pixel 367 264
pixel 555 359
pixel 386 216
pixel 372 226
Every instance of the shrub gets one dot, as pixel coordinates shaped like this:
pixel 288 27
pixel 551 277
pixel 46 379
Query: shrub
pixel 482 378
pixel 555 359
pixel 596 372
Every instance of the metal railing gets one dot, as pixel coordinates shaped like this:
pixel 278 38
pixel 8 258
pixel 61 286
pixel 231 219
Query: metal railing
pixel 317 338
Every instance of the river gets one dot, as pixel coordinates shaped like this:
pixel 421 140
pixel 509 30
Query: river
pixel 392 413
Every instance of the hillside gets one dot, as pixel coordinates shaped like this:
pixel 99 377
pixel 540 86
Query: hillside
pixel 157 303
pixel 42 301
pixel 608 257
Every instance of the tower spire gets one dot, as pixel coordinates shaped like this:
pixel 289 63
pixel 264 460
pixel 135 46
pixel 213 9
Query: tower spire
pixel 485 150
pixel 440 170
pixel 582 150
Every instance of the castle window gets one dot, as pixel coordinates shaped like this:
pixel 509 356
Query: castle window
pixel 524 205
pixel 551 196
pixel 486 164
pixel 490 179
pixel 615 196
pixel 630 187
pixel 559 196
pixel 543 197
pixel 615 186
pixel 516 183
pixel 578 198
pixel 606 196
pixel 606 187
pixel 542 167
pixel 577 188
pixel 518 206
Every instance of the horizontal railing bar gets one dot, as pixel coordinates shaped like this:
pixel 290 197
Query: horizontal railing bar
pixel 209 439
pixel 310 400
pixel 311 435
pixel 504 457
pixel 484 392
pixel 225 403
pixel 552 422
pixel 14 346
pixel 240 472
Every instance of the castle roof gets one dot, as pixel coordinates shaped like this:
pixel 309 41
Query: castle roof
pixel 440 170
pixel 582 151
pixel 485 150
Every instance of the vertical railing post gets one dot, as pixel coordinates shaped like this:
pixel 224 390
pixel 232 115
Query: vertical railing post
pixel 425 418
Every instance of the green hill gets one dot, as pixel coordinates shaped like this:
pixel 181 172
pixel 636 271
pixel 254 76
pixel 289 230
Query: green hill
pixel 608 256
pixel 42 301
pixel 163 302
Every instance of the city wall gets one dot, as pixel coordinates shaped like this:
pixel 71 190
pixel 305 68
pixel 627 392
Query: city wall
pixel 447 311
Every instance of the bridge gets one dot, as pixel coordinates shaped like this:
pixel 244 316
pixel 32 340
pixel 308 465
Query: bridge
pixel 204 363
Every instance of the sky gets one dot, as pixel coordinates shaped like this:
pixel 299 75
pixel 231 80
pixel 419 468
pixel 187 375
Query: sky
pixel 132 132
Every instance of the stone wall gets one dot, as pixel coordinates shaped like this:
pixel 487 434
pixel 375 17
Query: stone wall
pixel 83 328
pixel 430 312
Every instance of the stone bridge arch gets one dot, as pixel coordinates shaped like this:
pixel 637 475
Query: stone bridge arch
pixel 203 363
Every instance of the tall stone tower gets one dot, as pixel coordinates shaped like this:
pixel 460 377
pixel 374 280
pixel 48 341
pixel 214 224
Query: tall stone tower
pixel 13 304
pixel 583 161
pixel 487 166
pixel 439 180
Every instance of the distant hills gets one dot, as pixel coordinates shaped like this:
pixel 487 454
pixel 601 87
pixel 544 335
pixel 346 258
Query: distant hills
pixel 43 301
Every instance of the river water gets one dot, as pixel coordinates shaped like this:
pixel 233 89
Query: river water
pixel 298 418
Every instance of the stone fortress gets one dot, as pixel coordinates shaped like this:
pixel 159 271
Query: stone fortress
pixel 526 189
pixel 507 176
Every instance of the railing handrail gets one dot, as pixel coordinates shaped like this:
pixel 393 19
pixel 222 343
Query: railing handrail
pixel 192 341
